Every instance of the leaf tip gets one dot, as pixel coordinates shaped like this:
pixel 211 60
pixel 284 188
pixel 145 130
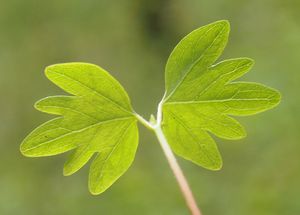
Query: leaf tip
pixel 213 164
pixel 94 191
pixel 25 151
pixel 37 105
pixel 67 171
pixel 22 149
pixel 249 61
pixel 241 133
pixel 48 70
pixel 221 26
pixel 216 166
pixel 224 23
pixel 52 70
pixel 276 98
pixel 96 187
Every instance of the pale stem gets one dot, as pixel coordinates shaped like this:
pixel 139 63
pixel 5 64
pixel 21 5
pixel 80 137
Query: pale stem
pixel 182 182
pixel 144 122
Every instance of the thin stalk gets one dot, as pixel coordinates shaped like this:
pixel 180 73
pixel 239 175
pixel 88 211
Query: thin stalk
pixel 144 122
pixel 182 182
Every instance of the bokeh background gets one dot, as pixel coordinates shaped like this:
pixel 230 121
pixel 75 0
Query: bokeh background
pixel 132 40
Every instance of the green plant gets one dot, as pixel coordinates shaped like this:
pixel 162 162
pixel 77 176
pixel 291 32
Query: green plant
pixel 199 99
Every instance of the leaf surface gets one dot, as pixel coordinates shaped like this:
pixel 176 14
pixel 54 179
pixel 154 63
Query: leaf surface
pixel 96 120
pixel 200 97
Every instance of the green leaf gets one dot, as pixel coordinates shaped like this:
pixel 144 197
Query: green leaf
pixel 201 97
pixel 97 120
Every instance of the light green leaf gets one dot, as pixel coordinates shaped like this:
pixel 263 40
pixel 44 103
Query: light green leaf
pixel 200 97
pixel 97 120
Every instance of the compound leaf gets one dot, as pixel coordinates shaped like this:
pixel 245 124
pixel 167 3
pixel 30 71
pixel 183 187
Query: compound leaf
pixel 96 119
pixel 200 97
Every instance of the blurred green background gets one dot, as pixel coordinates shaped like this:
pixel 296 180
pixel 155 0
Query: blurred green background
pixel 132 40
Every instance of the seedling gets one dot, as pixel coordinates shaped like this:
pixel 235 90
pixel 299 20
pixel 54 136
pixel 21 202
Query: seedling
pixel 98 120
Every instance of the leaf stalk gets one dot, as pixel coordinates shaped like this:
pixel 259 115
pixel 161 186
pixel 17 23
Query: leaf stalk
pixel 178 173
